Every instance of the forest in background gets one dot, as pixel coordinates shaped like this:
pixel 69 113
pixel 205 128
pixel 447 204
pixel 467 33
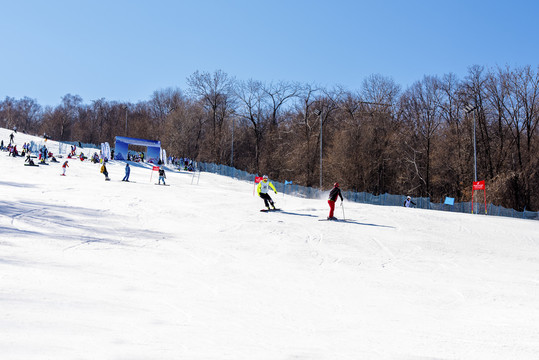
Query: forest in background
pixel 381 138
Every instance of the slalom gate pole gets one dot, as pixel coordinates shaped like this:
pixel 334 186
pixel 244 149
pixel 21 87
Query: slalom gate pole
pixel 342 205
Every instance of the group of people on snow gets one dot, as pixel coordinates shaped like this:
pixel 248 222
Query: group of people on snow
pixel 136 157
pixel 264 186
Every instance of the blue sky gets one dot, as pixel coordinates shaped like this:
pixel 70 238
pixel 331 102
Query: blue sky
pixel 126 50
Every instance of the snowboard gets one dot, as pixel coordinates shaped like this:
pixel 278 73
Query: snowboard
pixel 266 210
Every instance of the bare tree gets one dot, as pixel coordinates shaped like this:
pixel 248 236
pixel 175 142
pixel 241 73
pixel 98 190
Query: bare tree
pixel 215 91
pixel 421 117
pixel 251 108
pixel 452 170
pixel 69 114
pixel 161 105
pixel 279 94
pixel 7 112
pixel 302 138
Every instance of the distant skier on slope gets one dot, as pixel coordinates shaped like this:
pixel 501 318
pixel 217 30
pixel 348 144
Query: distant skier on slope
pixel 333 195
pixel 64 166
pixel 104 171
pixel 409 202
pixel 127 172
pixel 263 188
pixel 162 175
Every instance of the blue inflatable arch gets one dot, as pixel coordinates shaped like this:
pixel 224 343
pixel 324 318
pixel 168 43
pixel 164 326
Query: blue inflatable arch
pixel 122 143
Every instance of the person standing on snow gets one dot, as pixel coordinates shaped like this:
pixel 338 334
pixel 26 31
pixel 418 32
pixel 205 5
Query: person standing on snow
pixel 44 153
pixel 64 166
pixel 263 188
pixel 104 171
pixel 409 202
pixel 127 172
pixel 333 195
pixel 162 175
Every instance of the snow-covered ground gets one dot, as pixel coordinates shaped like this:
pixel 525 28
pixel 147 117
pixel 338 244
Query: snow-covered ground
pixel 112 270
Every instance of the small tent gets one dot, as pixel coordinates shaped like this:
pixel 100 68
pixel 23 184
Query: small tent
pixel 121 147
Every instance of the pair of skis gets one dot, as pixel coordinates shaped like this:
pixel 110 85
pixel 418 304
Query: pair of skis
pixel 335 219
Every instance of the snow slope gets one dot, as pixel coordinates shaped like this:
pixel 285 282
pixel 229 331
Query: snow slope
pixel 111 270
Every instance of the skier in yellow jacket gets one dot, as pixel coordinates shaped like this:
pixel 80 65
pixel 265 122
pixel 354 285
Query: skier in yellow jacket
pixel 263 188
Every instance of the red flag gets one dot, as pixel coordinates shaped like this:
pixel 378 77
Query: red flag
pixel 258 179
pixel 155 168
pixel 479 185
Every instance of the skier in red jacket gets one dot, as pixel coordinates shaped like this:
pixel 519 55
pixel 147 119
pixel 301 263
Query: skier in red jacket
pixel 333 194
pixel 64 168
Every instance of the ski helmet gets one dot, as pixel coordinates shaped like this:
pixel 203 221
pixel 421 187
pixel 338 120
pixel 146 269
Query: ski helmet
pixel 409 198
pixel 265 177
pixel 336 184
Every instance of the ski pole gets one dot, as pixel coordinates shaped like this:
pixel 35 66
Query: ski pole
pixel 342 205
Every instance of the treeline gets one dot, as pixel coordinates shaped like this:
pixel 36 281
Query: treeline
pixel 380 138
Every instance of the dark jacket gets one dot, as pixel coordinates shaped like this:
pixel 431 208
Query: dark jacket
pixel 334 193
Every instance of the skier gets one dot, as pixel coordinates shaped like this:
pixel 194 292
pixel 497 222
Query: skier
pixel 127 172
pixel 263 188
pixel 64 166
pixel 333 195
pixel 409 202
pixel 105 172
pixel 162 175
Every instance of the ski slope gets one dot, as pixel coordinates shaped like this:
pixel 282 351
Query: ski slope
pixel 91 269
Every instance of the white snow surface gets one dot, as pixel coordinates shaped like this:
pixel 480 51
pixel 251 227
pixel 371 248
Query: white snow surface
pixel 91 269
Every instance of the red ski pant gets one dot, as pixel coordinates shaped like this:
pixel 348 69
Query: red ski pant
pixel 331 207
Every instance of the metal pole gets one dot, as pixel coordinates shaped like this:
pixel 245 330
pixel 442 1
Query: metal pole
pixel 474 149
pixel 232 146
pixel 321 133
pixel 126 121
